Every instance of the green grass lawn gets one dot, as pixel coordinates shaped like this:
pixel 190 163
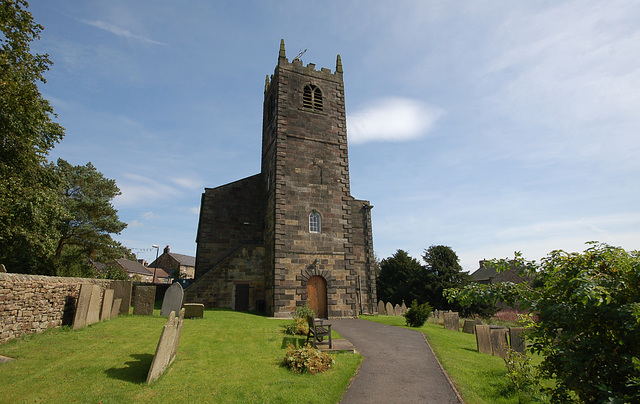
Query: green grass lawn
pixel 225 357
pixel 479 378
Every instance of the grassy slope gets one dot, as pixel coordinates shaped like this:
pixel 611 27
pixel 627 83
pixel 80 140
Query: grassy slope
pixel 478 377
pixel 225 357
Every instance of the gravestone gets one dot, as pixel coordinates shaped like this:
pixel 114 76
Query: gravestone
pixel 452 322
pixel 82 306
pixel 397 310
pixel 499 342
pixel 469 326
pixel 167 346
pixel 107 304
pixel 403 307
pixel 144 301
pixel 2 268
pixel 436 313
pixel 172 299
pixel 483 339
pixel 193 310
pixel 380 308
pixel 390 310
pixel 517 339
pixel 115 309
pixel 93 314
pixel 122 291
pixel 441 315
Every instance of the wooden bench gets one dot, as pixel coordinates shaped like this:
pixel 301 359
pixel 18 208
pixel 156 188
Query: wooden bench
pixel 318 330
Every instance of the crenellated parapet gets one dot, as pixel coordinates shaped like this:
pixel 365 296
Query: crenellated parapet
pixel 309 70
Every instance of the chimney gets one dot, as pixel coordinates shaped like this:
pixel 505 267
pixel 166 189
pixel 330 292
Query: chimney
pixel 166 250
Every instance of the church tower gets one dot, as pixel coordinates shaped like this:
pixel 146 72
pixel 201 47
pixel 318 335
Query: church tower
pixel 311 217
pixel 292 233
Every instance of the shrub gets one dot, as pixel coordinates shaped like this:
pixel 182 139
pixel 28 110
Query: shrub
pixel 522 377
pixel 417 314
pixel 307 360
pixel 299 325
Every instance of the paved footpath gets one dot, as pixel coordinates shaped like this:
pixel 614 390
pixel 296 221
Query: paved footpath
pixel 399 366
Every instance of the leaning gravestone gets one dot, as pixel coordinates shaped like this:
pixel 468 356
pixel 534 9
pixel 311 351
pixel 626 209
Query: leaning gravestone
pixel 172 299
pixel 144 301
pixel 397 310
pixel 469 326
pixel 452 321
pixel 82 306
pixel 122 291
pixel 107 304
pixel 115 309
pixel 193 310
pixel 93 314
pixel 390 309
pixel 499 342
pixel 167 346
pixel 516 338
pixel 380 308
pixel 483 339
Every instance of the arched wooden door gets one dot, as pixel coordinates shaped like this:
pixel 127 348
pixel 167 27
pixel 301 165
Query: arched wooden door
pixel 317 295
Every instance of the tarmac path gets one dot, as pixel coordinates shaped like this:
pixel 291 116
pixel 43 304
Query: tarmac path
pixel 399 366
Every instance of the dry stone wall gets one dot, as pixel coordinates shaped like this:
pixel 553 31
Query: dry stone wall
pixel 30 304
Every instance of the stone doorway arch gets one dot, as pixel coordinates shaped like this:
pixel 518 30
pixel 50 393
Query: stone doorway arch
pixel 317 295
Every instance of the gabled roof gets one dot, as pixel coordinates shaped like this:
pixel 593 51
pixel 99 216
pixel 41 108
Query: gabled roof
pixel 487 273
pixel 186 260
pixel 134 267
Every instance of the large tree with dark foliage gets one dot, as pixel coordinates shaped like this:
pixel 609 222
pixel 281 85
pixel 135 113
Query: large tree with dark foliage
pixel 29 201
pixel 399 279
pixel 442 271
pixel 53 218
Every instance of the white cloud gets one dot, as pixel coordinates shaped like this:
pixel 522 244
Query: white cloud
pixel 392 119
pixel 135 223
pixel 195 210
pixel 188 183
pixel 125 33
pixel 149 215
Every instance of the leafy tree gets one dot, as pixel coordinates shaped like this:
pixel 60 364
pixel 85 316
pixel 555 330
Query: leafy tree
pixel 89 218
pixel 588 305
pixel 28 185
pixel 442 271
pixel 399 278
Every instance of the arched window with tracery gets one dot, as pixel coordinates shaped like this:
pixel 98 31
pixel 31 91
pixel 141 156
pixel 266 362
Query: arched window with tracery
pixel 312 97
pixel 315 222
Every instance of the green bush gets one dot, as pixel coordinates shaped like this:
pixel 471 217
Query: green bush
pixel 299 325
pixel 307 360
pixel 417 314
pixel 522 377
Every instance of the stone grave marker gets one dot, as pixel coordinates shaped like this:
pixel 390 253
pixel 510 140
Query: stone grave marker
pixel 172 299
pixel 167 346
pixel 441 315
pixel 122 291
pixel 107 304
pixel 436 313
pixel 483 339
pixel 144 301
pixel 517 339
pixel 499 342
pixel 82 306
pixel 381 308
pixel 397 310
pixel 403 307
pixel 390 309
pixel 115 309
pixel 452 321
pixel 93 314
pixel 193 310
pixel 469 326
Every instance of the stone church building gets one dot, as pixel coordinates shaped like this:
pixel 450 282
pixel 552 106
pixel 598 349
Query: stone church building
pixel 293 232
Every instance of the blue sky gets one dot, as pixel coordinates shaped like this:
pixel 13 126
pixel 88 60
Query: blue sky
pixel 487 126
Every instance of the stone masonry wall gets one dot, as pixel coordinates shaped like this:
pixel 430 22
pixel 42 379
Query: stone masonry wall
pixel 32 303
pixel 230 216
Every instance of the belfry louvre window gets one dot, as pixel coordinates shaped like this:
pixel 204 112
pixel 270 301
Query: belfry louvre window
pixel 314 223
pixel 312 98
